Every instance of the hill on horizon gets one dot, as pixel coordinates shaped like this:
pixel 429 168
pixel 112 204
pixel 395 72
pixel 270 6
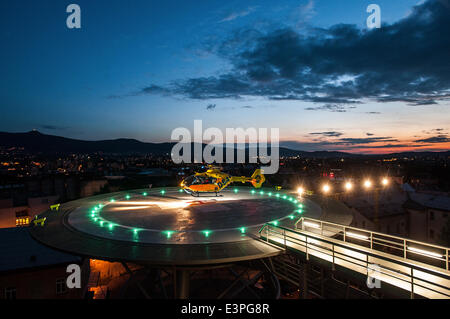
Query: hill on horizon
pixel 36 142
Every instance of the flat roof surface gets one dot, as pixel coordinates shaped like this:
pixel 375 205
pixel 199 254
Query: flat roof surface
pixel 18 250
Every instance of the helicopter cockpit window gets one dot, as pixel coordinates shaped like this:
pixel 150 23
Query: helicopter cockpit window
pixel 188 180
pixel 199 180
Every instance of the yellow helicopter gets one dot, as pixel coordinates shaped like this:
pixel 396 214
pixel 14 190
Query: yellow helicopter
pixel 214 180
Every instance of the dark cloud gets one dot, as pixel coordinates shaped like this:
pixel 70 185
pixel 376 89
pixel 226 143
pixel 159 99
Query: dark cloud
pixel 211 107
pixel 328 134
pixel 53 127
pixel 373 112
pixel 370 134
pixel 392 146
pixel 247 107
pixel 328 107
pixel 435 139
pixel 365 140
pixel 405 61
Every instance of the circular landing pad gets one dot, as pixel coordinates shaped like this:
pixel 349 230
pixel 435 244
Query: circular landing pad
pixel 172 216
pixel 170 227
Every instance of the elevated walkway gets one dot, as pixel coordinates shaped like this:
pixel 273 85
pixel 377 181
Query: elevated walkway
pixel 416 267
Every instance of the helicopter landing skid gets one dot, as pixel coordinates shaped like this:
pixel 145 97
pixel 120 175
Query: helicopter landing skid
pixel 197 194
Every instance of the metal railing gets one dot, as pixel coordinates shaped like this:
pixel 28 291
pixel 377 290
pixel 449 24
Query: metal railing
pixel 409 249
pixel 367 256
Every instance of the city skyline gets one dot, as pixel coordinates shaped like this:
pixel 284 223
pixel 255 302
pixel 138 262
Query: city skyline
pixel 311 68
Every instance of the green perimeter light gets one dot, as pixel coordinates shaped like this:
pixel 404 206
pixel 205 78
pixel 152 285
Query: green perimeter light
pixel 101 223
pixel 236 190
pixel 291 216
pixel 127 197
pixel 252 191
pixel 275 222
pixel 168 233
pixel 270 194
pixel 206 233
pixel 144 194
pixel 277 195
pixel 135 230
pixel 242 229
pixel 111 226
pixel 163 192
pixel 112 200
pixel 180 190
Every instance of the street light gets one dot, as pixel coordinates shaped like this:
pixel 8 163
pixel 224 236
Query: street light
pixel 367 184
pixel 326 188
pixel 348 186
pixel 300 191
pixel 384 181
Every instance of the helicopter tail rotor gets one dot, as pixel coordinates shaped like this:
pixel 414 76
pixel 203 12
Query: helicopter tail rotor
pixel 258 178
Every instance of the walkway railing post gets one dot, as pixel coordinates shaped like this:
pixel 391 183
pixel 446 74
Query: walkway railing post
pixel 371 240
pixel 404 248
pixel 446 259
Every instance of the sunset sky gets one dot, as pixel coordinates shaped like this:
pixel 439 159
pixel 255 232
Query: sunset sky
pixel 311 68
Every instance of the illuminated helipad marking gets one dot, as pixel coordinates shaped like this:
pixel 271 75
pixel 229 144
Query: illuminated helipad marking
pixel 175 217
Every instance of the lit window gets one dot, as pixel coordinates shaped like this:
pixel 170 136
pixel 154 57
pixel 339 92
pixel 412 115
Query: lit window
pixel 22 221
pixel 22 218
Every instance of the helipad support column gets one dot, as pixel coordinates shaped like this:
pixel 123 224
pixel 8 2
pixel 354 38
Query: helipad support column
pixel 182 284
